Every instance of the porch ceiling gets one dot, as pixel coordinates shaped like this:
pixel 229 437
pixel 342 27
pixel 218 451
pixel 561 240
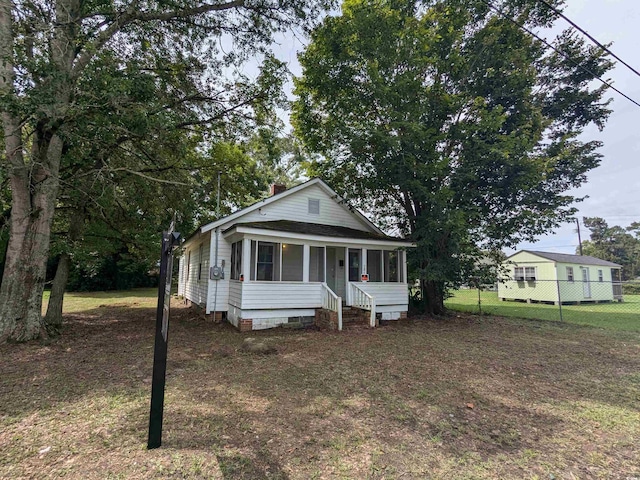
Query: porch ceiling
pixel 316 229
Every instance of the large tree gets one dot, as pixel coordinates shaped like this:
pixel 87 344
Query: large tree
pixel 447 119
pixel 53 59
pixel 615 244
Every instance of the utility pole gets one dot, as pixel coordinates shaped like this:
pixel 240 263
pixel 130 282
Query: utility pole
pixel 579 238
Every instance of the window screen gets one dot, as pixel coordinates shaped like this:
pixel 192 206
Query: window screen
pixel 316 264
pixel 236 260
pixel 292 262
pixel 391 272
pixel 374 265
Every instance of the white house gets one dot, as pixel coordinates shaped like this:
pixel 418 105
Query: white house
pixel 559 277
pixel 302 254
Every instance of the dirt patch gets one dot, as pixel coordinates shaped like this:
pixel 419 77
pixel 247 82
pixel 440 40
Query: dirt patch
pixel 547 400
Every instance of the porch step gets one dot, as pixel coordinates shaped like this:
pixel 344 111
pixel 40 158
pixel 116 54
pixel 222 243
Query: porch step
pixel 354 316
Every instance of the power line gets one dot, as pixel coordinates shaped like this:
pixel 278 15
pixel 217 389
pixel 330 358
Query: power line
pixel 584 32
pixel 504 15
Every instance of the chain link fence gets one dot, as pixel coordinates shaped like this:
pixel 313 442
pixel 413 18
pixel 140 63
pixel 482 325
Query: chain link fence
pixel 599 303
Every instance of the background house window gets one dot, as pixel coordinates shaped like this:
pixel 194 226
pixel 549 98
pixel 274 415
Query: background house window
pixel 374 265
pixel 316 264
pixel 314 206
pixel 518 273
pixel 236 260
pixel 570 274
pixel 600 276
pixel 530 273
pixel 391 271
pixel 292 259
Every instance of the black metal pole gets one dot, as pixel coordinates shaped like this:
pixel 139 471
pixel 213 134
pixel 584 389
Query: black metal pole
pixel 579 237
pixel 161 342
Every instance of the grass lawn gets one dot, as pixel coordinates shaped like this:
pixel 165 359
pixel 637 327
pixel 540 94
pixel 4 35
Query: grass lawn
pixel 85 301
pixel 615 316
pixel 462 398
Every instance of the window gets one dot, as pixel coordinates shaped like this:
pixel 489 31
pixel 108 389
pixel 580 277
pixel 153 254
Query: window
pixel 265 256
pixel 292 259
pixel 314 206
pixel 374 265
pixel 600 276
pixel 200 262
pixel 518 274
pixel 570 274
pixel 391 271
pixel 316 264
pixel 530 273
pixel 236 260
pixel 265 261
pixel 354 265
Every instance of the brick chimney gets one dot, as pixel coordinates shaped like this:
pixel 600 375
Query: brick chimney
pixel 277 188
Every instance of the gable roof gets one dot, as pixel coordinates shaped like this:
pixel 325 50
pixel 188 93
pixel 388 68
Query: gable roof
pixel 322 230
pixel 274 198
pixel 569 258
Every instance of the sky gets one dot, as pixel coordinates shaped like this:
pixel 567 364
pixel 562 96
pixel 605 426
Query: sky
pixel 613 189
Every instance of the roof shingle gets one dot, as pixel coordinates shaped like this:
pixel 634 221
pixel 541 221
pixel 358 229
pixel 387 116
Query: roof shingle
pixel 568 258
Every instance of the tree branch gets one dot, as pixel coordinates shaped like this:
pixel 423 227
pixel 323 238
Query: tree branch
pixel 131 16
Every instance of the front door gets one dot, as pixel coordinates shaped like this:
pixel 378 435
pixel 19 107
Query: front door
pixel 354 265
pixel 586 284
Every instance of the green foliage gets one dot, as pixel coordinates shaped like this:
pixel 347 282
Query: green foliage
pixel 615 244
pixel 449 123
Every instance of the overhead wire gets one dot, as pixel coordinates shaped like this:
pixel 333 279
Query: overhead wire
pixel 565 55
pixel 588 35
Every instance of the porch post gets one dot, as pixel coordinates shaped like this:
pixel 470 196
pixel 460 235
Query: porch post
pixel 246 259
pixel 403 259
pixel 364 269
pixel 306 255
pixel 346 275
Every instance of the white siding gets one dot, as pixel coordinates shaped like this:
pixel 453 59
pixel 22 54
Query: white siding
pixel 295 207
pixel 280 295
pixel 221 297
pixel 386 293
pixel 235 293
pixel 196 289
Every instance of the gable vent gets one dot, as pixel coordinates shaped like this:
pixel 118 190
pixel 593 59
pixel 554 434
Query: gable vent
pixel 314 206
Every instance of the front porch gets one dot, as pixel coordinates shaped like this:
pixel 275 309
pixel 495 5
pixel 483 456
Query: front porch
pixel 277 278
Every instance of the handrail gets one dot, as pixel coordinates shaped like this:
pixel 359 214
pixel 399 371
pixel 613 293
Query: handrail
pixel 333 302
pixel 362 299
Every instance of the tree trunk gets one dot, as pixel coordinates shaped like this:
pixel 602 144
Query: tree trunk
pixel 53 318
pixel 433 297
pixel 34 193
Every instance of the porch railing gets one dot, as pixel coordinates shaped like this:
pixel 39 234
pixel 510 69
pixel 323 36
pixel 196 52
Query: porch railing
pixel 361 299
pixel 333 302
